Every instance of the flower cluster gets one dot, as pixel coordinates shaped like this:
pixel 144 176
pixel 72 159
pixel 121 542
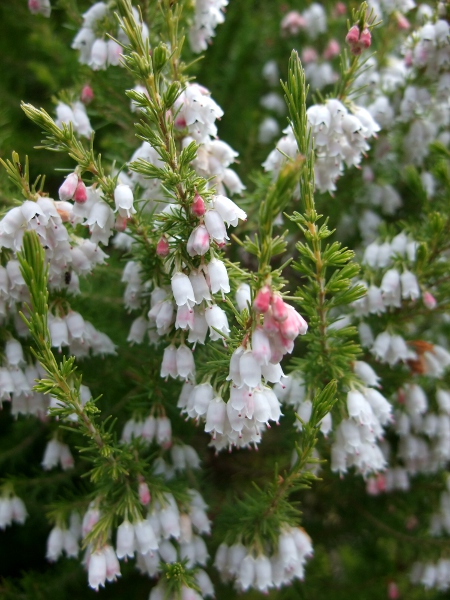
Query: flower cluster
pixel 355 442
pixel 95 48
pixel 312 21
pixel 42 7
pixel 12 510
pixel 74 115
pixel 208 14
pixel 250 569
pixel 197 111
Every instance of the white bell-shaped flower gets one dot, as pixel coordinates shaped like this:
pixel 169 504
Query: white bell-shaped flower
pixel 359 408
pixel 198 242
pixel 145 537
pixel 215 226
pixel 55 542
pixel 182 290
pixel 261 346
pixel 218 277
pixel 216 416
pixel 217 320
pixel 410 285
pixel 123 197
pixel 163 431
pixel 250 369
pixel 169 362
pixel 112 564
pixel 198 332
pixel 125 543
pixel 200 287
pixel 99 55
pixel 247 572
pixel 14 353
pixel 185 362
pixel 243 296
pixel 263 573
pixel 228 210
pixel 97 570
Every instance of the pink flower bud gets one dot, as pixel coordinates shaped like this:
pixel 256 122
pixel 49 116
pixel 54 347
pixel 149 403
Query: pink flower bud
pixel 340 9
pixel 144 493
pixel 279 308
pixel 309 55
pixel 162 247
pixel 402 22
pixel 68 188
pixel 262 300
pixel 381 482
pixel 292 22
pixel 87 94
pixel 80 194
pixel 371 486
pixel 198 206
pixel 392 591
pixel 429 300
pixel 120 224
pixel 365 39
pixel 40 6
pixel 331 50
pixel 352 36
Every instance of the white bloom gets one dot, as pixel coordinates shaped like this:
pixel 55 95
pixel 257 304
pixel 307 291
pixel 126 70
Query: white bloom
pixel 410 285
pixel 125 543
pixel 185 362
pixel 97 570
pixel 217 320
pixel 99 55
pixel 216 416
pixel 200 287
pixel 215 225
pixel 228 210
pixel 218 277
pixel 145 537
pixel 123 197
pixel 182 290
pixel 169 362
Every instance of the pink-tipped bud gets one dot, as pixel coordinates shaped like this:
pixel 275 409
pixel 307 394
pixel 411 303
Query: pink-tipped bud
pixel 144 493
pixel 371 487
pixel 279 308
pixel 340 9
pixel 87 94
pixel 67 190
pixel 80 195
pixel 429 300
pixel 262 301
pixel 352 36
pixel 120 224
pixel 392 592
pixel 365 39
pixel 309 55
pixel 402 22
pixel 180 122
pixel 162 247
pixel 381 482
pixel 331 50
pixel 198 206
